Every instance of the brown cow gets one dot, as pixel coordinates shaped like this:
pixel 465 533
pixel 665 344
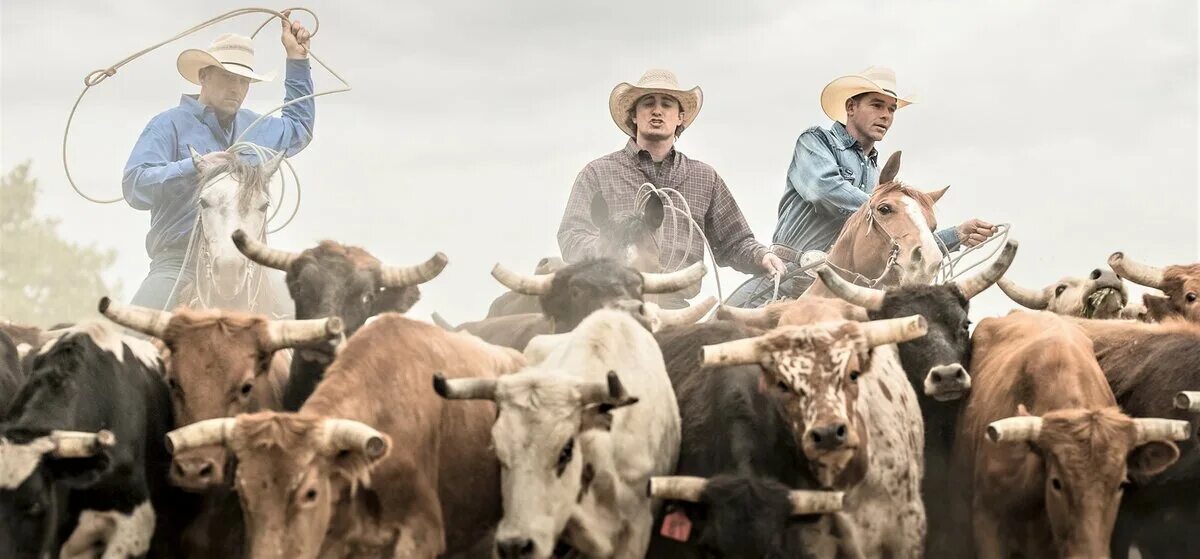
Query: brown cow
pixel 1056 491
pixel 1180 283
pixel 322 480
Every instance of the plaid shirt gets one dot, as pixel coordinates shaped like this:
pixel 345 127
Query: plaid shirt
pixel 619 175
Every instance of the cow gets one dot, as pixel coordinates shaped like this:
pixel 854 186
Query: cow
pixel 1100 295
pixel 219 364
pixel 1147 366
pixel 24 336
pixel 736 434
pixel 1179 283
pixel 511 302
pixel 339 280
pixel 853 415
pixel 81 449
pixel 11 373
pixel 576 452
pixel 937 365
pixel 1042 447
pixel 326 480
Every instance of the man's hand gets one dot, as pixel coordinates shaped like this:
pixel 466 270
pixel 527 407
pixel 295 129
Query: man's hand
pixel 772 264
pixel 209 160
pixel 975 231
pixel 295 38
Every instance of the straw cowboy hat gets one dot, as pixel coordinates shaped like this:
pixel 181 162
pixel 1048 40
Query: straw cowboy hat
pixel 624 95
pixel 874 79
pixel 234 53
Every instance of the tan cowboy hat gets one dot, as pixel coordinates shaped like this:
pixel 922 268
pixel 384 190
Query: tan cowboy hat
pixel 233 52
pixel 874 79
pixel 624 95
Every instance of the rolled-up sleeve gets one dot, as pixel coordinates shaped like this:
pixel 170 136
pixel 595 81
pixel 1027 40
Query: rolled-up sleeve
pixel 292 131
pixel 576 234
pixel 816 177
pixel 152 170
pixel 949 237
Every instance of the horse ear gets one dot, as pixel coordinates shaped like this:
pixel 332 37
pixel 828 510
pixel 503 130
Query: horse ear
pixel 937 194
pixel 890 169
pixel 652 214
pixel 273 164
pixel 600 216
pixel 195 156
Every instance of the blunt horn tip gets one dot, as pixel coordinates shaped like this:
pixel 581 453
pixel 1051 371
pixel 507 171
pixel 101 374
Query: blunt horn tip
pixel 439 384
pixel 104 303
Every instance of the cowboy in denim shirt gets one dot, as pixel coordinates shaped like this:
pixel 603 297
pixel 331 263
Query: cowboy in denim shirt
pixel 832 174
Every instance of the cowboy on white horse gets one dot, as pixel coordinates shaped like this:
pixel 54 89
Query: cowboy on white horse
pixel 162 172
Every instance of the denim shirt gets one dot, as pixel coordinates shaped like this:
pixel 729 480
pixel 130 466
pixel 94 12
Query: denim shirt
pixel 160 175
pixel 828 180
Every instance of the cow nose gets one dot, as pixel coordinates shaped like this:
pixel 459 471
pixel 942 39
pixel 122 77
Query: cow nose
pixel 202 472
pixel 515 548
pixel 1096 274
pixel 947 381
pixel 828 437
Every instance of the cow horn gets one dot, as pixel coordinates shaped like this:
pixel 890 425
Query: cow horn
pixel 1028 298
pixel 866 297
pixel 209 432
pixel 815 502
pixel 894 330
pixel 75 444
pixel 1155 429
pixel 263 254
pixel 1188 400
pixel 150 322
pixel 737 352
pixel 611 392
pixel 464 388
pixel 1136 272
pixel 346 434
pixel 690 315
pixel 677 488
pixel 291 333
pixel 1015 429
pixel 408 276
pixel 975 284
pixel 523 284
pixel 673 281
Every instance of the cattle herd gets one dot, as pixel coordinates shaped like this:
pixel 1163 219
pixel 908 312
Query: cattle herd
pixel 581 419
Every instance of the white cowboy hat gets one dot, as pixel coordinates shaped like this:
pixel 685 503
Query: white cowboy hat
pixel 624 95
pixel 874 79
pixel 234 53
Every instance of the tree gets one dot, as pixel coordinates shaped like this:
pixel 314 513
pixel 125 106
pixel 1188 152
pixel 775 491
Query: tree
pixel 44 279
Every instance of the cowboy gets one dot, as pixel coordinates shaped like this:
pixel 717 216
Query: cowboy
pixel 653 113
pixel 833 172
pixel 161 175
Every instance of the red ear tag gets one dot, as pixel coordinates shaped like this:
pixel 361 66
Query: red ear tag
pixel 676 526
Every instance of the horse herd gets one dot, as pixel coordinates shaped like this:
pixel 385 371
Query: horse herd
pixel 581 418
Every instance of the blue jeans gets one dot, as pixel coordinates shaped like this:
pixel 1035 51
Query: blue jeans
pixel 758 290
pixel 156 291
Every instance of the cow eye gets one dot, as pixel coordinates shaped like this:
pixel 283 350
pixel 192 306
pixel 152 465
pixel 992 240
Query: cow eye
pixel 1056 484
pixel 310 495
pixel 1059 290
pixel 1123 485
pixel 246 389
pixel 854 376
pixel 1191 297
pixel 782 386
pixel 368 297
pixel 884 209
pixel 564 457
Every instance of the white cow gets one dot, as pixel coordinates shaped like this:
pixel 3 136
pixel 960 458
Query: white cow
pixel 576 455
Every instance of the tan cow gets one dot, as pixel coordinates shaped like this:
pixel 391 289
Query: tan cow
pixel 1180 283
pixel 374 463
pixel 1099 295
pixel 1042 448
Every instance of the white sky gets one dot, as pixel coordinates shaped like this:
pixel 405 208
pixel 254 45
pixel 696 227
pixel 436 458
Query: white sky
pixel 1075 122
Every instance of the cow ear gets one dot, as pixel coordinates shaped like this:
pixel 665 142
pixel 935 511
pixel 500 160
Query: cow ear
pixel 600 217
pixel 1022 410
pixel 78 473
pixel 1158 307
pixel 1151 459
pixel 652 214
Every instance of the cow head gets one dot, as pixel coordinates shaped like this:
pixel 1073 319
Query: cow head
pixel 1180 284
pixel 816 368
pixel 1086 457
pixel 539 439
pixel 292 471
pixel 745 516
pixel 571 294
pixel 628 238
pixel 937 362
pixel 333 279
pixel 1099 295
pixel 217 367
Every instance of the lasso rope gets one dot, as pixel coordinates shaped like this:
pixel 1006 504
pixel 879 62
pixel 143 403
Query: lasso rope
pixel 643 195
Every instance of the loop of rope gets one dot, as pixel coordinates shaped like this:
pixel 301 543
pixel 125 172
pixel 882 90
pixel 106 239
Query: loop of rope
pixel 643 194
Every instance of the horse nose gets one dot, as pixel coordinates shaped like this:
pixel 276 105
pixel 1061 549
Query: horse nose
pixel 829 437
pixel 514 548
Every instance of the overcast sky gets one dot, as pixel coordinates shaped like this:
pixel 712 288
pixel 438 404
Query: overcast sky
pixel 1076 122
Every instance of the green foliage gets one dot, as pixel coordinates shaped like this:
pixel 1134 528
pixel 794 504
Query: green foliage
pixel 44 279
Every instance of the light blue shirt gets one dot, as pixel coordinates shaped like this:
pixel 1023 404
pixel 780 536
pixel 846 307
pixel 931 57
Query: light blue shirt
pixel 160 175
pixel 828 180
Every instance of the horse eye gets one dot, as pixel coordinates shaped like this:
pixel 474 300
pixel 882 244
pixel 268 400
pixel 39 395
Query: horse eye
pixel 1059 290
pixel 264 207
pixel 204 204
pixel 885 209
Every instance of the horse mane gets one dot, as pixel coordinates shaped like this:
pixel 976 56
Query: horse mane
pixel 860 216
pixel 248 173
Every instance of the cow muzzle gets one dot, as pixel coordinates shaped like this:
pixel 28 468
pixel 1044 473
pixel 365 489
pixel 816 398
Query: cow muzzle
pixel 831 436
pixel 946 383
pixel 515 548
pixel 198 470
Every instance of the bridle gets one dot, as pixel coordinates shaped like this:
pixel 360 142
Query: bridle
pixel 203 272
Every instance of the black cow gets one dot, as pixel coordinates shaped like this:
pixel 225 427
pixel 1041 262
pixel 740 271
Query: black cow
pixel 937 365
pixel 11 373
pixel 82 448
pixel 333 279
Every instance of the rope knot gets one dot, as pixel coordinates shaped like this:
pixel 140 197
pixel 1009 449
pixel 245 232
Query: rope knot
pixel 97 76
